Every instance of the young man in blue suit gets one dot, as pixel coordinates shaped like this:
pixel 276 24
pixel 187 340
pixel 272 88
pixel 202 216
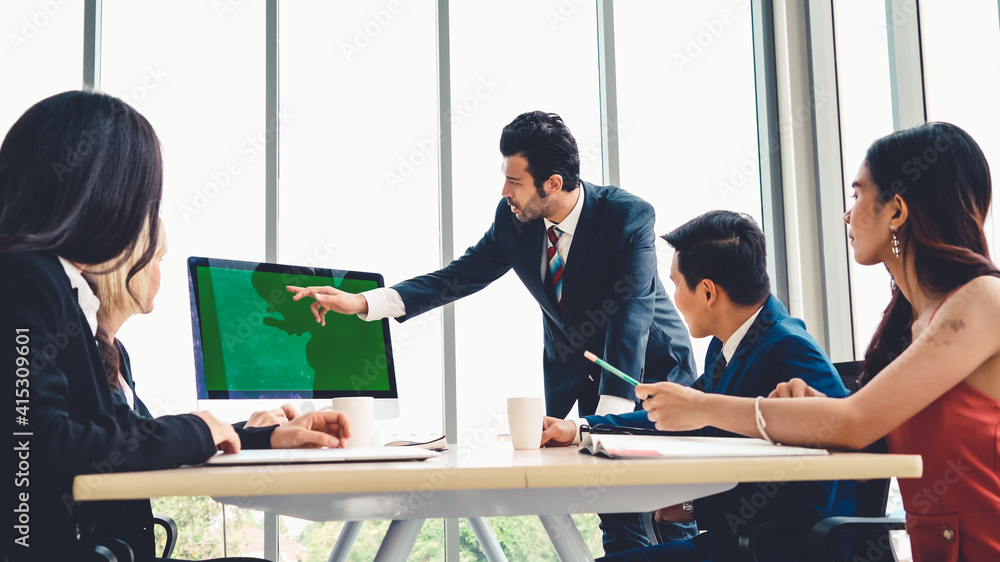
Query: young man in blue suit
pixel 586 254
pixel 722 289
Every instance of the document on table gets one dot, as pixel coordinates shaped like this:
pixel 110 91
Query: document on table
pixel 662 446
pixel 439 444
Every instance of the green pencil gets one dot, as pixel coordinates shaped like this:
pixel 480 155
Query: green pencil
pixel 604 364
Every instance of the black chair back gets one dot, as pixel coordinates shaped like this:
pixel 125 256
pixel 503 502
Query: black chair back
pixel 849 371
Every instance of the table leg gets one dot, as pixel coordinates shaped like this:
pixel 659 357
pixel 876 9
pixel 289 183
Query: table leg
pixel 399 540
pixel 487 540
pixel 271 536
pixel 566 538
pixel 345 541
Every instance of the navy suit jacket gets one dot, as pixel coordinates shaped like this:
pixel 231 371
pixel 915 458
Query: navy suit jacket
pixel 613 303
pixel 775 349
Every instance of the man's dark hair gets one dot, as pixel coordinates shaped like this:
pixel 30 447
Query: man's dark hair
pixel 548 146
pixel 728 248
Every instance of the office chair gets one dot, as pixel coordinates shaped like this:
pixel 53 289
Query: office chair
pixel 871 539
pixel 114 550
pixel 170 528
pixel 862 537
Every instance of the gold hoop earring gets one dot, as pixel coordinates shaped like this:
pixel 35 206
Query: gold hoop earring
pixel 895 242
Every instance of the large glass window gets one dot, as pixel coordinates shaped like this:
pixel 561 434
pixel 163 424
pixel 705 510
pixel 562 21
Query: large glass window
pixel 358 190
pixel 41 54
pixel 198 76
pixel 508 57
pixel 358 162
pixel 865 115
pixel 961 54
pixel 687 112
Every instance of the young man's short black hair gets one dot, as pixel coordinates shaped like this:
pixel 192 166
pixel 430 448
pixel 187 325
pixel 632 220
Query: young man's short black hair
pixel 728 248
pixel 548 146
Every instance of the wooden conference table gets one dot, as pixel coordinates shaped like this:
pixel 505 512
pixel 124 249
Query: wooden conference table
pixel 478 481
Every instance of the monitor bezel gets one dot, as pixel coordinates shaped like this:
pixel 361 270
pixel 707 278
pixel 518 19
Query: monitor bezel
pixel 194 262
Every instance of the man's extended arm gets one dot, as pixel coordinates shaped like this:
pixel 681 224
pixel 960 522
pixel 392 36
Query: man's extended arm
pixel 478 267
pixel 481 265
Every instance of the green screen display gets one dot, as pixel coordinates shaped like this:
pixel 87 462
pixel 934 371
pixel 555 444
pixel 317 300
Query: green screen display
pixel 256 342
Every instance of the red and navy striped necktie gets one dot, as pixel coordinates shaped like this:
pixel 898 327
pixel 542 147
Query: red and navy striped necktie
pixel 555 262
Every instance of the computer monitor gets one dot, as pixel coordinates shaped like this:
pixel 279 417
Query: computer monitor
pixel 252 341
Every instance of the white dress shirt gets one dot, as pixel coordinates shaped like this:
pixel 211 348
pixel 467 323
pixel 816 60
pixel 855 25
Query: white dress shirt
pixel 728 350
pixel 88 301
pixel 90 304
pixel 568 228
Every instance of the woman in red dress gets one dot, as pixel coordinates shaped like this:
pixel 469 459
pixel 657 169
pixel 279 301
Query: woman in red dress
pixel 931 377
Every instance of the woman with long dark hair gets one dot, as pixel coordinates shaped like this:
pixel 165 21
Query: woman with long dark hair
pixel 80 178
pixel 931 376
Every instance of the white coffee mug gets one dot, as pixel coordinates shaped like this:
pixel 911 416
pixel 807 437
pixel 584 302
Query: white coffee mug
pixel 525 416
pixel 360 411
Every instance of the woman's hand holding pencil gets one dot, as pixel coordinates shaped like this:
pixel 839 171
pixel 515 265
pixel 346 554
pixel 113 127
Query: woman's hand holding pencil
pixel 671 406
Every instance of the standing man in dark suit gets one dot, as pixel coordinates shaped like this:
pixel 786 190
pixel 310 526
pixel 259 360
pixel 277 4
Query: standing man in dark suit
pixel 723 291
pixel 586 253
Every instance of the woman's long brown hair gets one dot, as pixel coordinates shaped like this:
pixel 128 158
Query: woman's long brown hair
pixel 943 176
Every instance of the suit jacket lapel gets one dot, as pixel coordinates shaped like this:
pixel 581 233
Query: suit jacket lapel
pixel 586 228
pixel 769 314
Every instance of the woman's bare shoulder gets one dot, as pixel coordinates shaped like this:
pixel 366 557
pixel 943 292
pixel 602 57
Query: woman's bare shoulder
pixel 973 306
pixel 983 291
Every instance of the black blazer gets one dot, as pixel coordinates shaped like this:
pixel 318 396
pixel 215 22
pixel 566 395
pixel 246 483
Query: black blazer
pixel 125 367
pixel 74 425
pixel 613 303
pixel 250 437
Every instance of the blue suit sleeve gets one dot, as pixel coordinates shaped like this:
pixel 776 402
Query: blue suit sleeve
pixel 631 419
pixel 799 358
pixel 481 265
pixel 634 296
